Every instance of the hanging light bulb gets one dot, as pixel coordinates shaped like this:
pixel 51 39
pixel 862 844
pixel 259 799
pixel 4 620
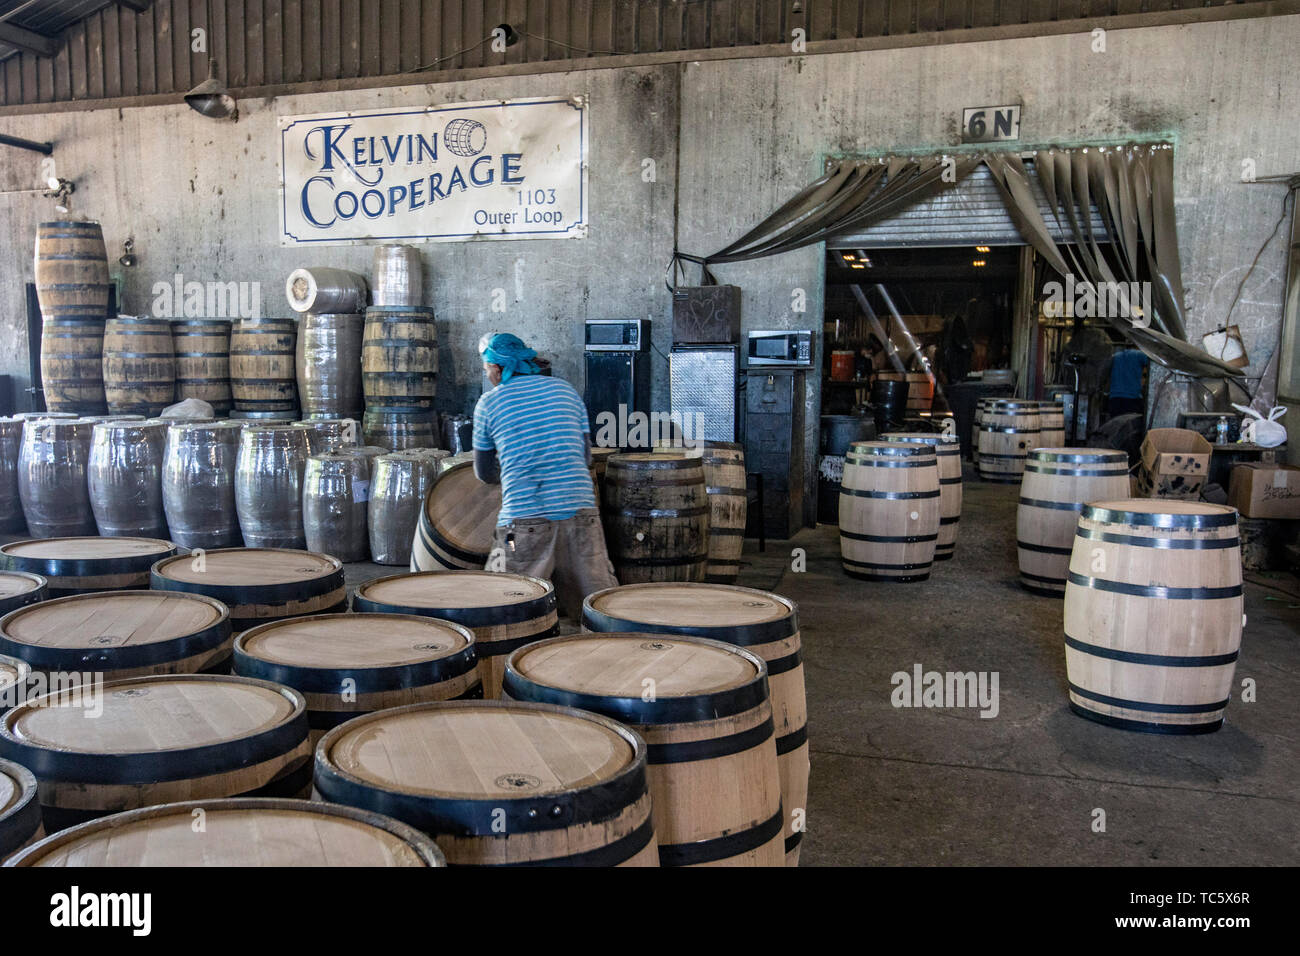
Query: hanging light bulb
pixel 211 98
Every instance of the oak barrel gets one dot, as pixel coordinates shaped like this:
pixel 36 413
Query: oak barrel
pixel 398 429
pixel 72 364
pixel 268 485
pixel 347 665
pixel 77 565
pixel 399 484
pixel 889 511
pixel 499 783
pixel 724 481
pixel 1058 482
pixel 262 375
pixel 328 361
pixel 139 364
pixel 202 348
pixel 124 478
pixel 237 832
pixel 259 585
pixel 21 588
pixel 1051 424
pixel 656 516
pixel 1008 432
pixel 198 484
pixel 457 522
pixel 764 624
pixel 11 504
pixel 702 707
pixel 52 477
pixel 121 634
pixel 1153 614
pixel 947 452
pixel 20 810
pixel 505 611
pixel 399 357
pixel 71 269
pixel 158 740
pixel 335 499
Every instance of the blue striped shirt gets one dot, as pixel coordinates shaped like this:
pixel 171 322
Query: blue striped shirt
pixel 535 424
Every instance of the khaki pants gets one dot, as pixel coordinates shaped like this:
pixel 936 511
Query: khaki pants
pixel 570 554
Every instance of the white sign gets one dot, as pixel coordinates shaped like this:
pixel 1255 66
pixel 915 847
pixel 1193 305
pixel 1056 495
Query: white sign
pixel 511 169
pixel 987 124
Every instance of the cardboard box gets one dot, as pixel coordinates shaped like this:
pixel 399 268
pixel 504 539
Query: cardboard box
pixel 1265 491
pixel 1175 462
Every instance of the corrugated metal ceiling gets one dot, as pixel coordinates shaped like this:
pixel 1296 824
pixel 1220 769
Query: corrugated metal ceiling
pixel 47 18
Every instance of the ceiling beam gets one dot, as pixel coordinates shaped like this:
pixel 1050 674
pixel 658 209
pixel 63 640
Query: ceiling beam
pixel 27 40
pixel 139 6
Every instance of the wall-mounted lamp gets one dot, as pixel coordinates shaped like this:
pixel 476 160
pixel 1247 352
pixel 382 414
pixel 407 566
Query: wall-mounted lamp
pixel 60 190
pixel 128 259
pixel 211 98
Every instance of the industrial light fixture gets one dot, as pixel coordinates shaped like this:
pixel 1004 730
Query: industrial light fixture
pixel 981 248
pixel 211 98
pixel 128 254
pixel 978 262
pixel 60 190
pixel 847 256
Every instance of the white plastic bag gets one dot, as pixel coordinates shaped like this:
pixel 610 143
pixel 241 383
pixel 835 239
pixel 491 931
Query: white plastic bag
pixel 190 408
pixel 1266 432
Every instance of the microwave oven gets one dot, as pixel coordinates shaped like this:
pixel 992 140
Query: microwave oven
pixel 790 348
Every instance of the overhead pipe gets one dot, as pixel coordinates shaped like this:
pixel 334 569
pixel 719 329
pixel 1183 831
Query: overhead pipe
pixel 18 142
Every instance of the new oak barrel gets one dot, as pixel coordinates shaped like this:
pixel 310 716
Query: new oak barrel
pixel 346 665
pixel 504 611
pixel 656 516
pixel 889 511
pixel 124 478
pixel 724 480
pixel 702 707
pixel 259 585
pixel 52 482
pixel 1153 614
pixel 198 484
pixel 81 564
pixel 237 832
pixel 1051 425
pixel 329 365
pixel 1058 482
pixel 121 634
pixel 1008 431
pixel 158 740
pixel 20 810
pixel 399 357
pixel 766 625
pixel 202 348
pixel 499 783
pixel 457 522
pixel 399 484
pixel 335 498
pixel 947 452
pixel 262 378
pixel 21 588
pixel 269 484
pixel 11 505
pixel 139 364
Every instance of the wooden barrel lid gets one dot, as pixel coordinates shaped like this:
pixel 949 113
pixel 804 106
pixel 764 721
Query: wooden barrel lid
pixel 16 583
pixel 87 549
pixel 454 589
pixel 121 624
pixel 479 750
pixel 742 616
pixel 249 567
pixel 463 510
pixel 1161 513
pixel 238 832
pixel 153 715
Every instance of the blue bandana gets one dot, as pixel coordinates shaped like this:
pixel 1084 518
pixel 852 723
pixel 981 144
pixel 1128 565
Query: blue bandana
pixel 509 351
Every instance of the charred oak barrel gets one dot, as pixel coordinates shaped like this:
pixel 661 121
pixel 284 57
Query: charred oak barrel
pixel 399 484
pixel 139 365
pixel 202 348
pixel 335 499
pixel 52 485
pixel 656 515
pixel 268 486
pixel 329 365
pixel 124 478
pixel 198 484
pixel 262 378
pixel 399 357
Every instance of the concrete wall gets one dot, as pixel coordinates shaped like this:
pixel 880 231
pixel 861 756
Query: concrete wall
pixel 200 197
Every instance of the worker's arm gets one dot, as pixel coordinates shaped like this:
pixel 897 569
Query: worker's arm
pixel 486 467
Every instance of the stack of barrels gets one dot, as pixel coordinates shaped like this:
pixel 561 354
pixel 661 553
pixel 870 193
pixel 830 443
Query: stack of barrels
pixel 399 355
pixel 328 352
pixel 72 288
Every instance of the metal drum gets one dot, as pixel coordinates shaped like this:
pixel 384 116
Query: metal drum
pixel 198 484
pixel 325 290
pixel 268 485
pixel 335 496
pixel 329 365
pixel 52 477
pixel 11 506
pixel 399 276
pixel 399 483
pixel 124 478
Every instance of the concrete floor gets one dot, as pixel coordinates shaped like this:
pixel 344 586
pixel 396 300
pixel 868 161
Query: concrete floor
pixel 923 786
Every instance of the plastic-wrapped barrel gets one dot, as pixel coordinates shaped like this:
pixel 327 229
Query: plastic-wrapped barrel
pixel 139 365
pixel 329 434
pixel 1008 431
pixel 11 506
pixel 329 365
pixel 399 275
pixel 656 515
pixel 399 357
pixel 325 290
pixel 335 496
pixel 399 430
pixel 52 477
pixel 268 486
pixel 889 511
pixel 262 375
pixel 124 477
pixel 947 452
pixel 399 483
pixel 1153 614
pixel 198 484
pixel 72 365
pixel 202 348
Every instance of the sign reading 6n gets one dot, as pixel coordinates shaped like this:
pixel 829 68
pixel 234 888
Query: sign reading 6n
pixel 987 124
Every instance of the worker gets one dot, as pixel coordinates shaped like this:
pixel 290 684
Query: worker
pixel 531 436
pixel 1125 393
